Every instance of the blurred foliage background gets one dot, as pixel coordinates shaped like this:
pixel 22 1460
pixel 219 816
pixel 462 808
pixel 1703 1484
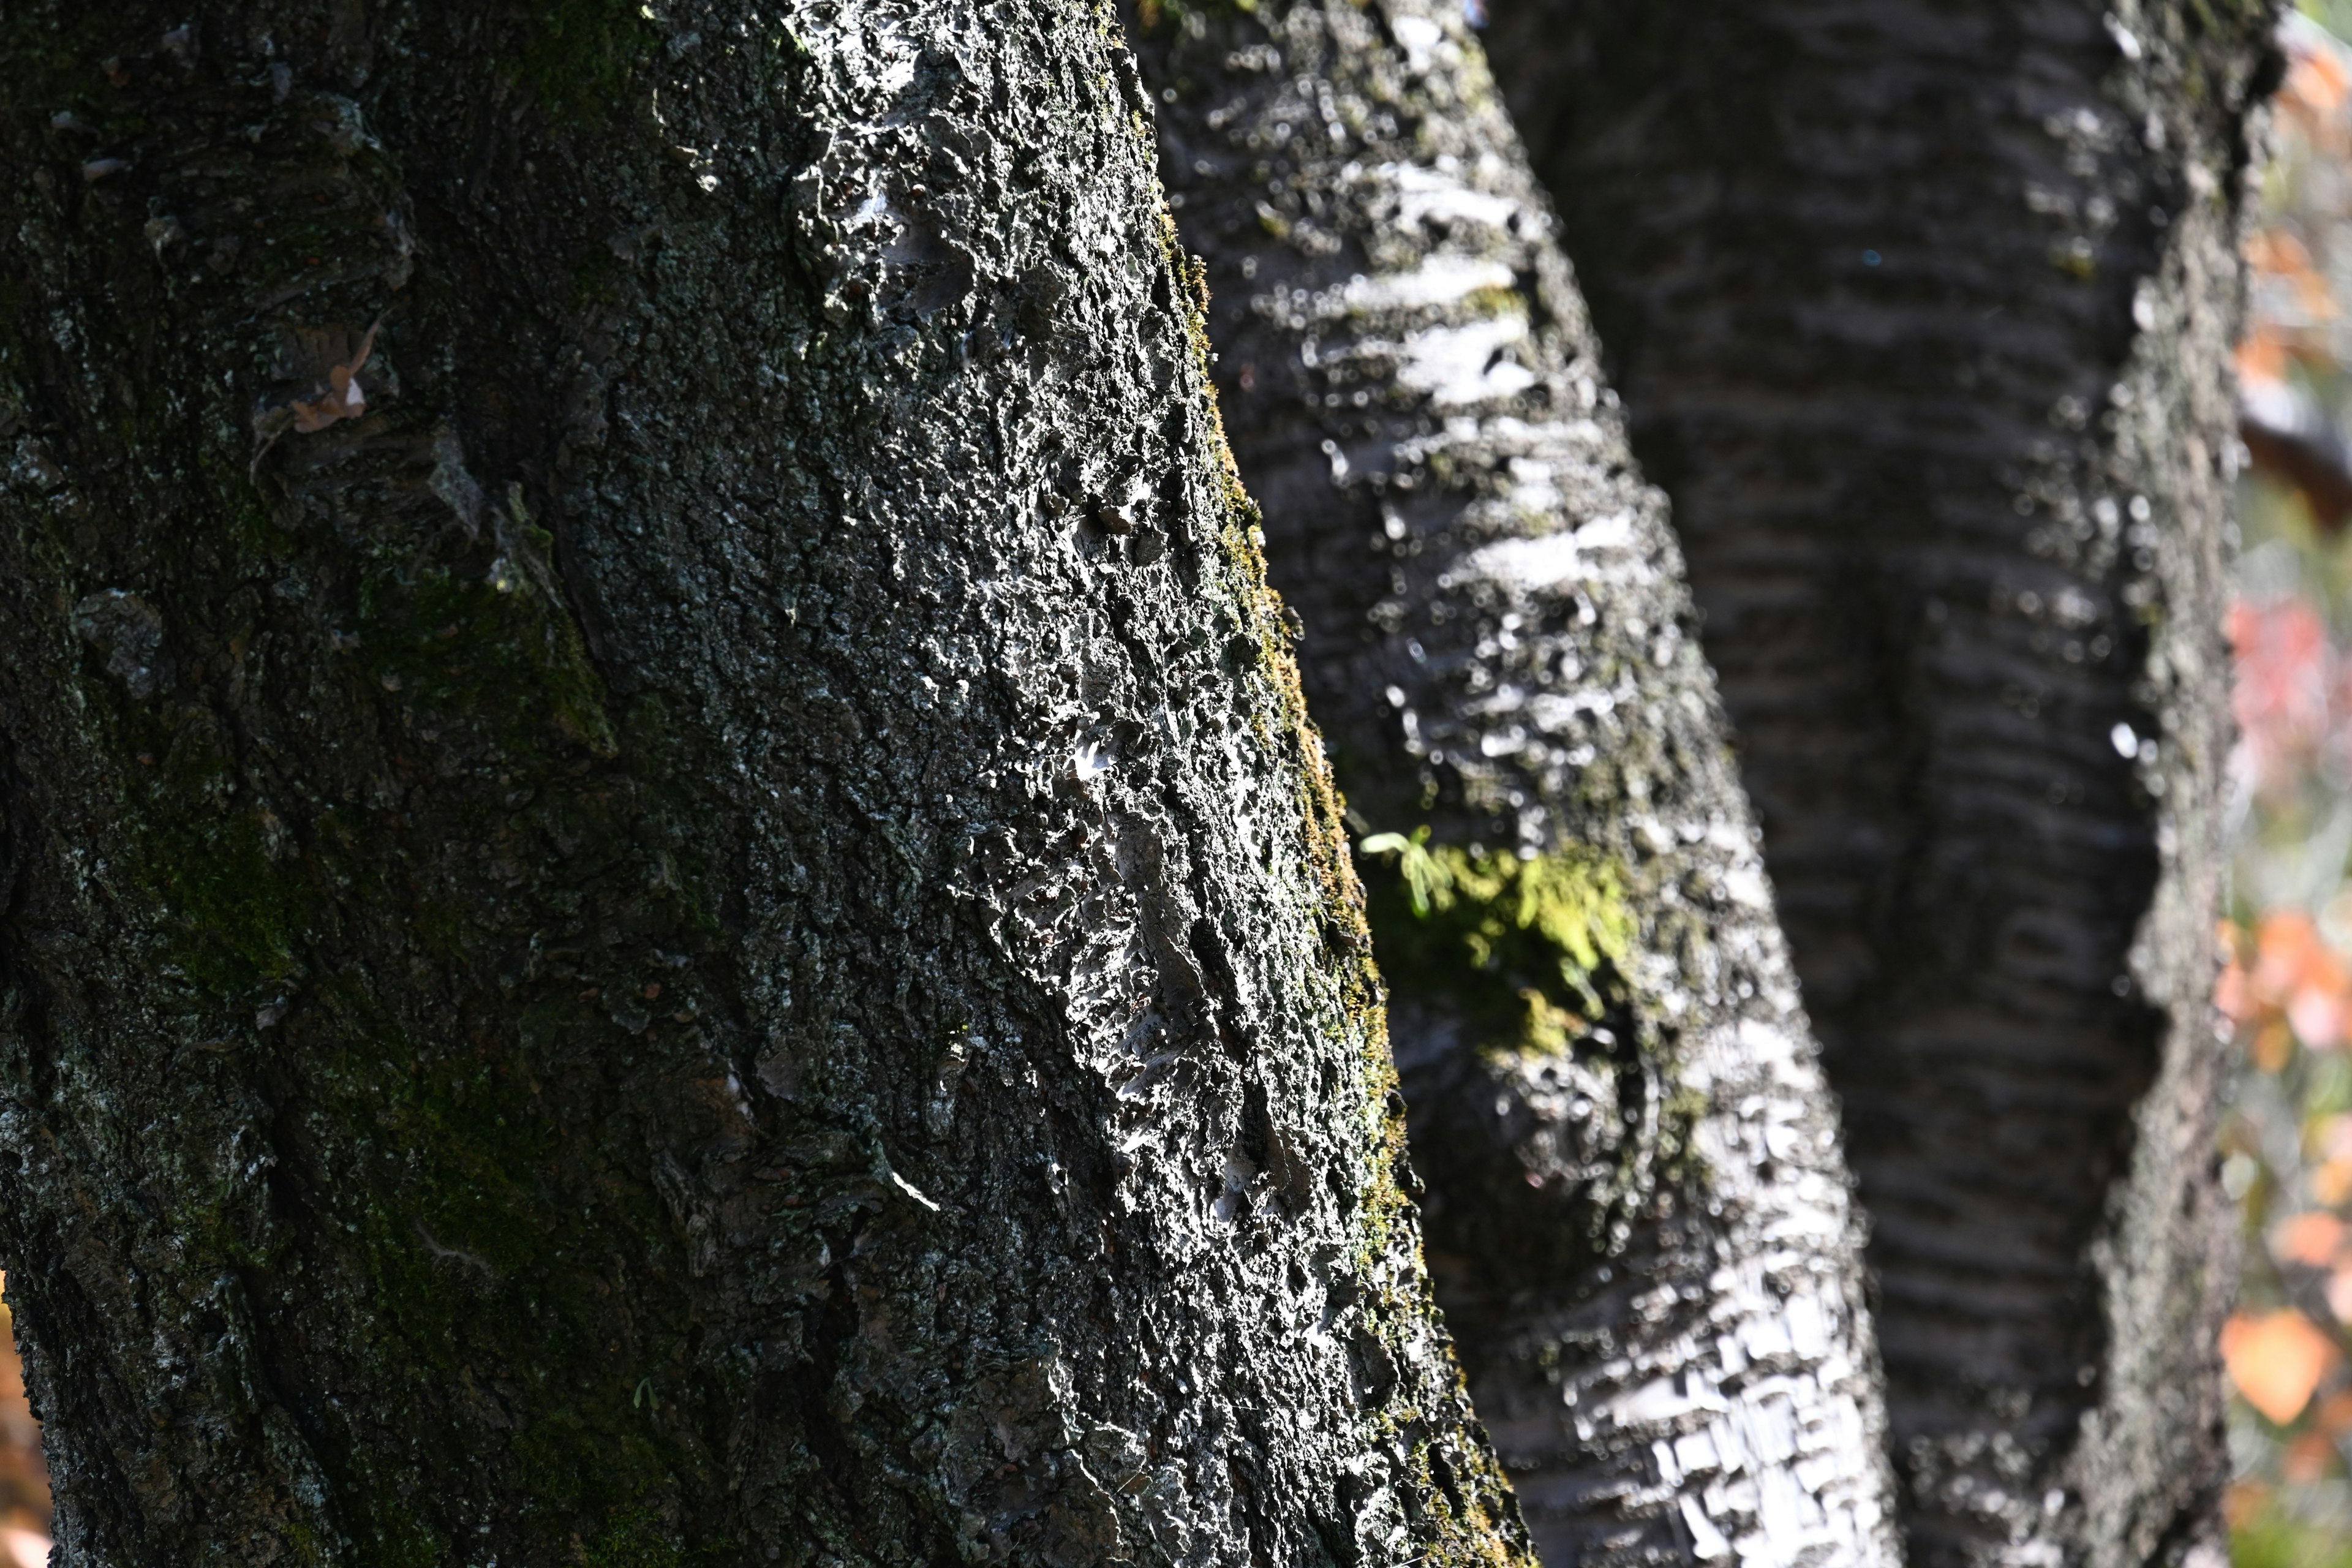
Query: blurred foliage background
pixel 24 1479
pixel 2287 992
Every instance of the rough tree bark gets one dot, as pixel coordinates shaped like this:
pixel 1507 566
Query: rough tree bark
pixel 1639 1224
pixel 667 900
pixel 1922 315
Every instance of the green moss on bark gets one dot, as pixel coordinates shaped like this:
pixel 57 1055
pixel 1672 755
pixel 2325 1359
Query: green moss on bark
pixel 1490 930
pixel 578 57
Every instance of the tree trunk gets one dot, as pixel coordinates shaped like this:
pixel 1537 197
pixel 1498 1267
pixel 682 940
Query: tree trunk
pixel 1923 317
pixel 1639 1220
pixel 667 900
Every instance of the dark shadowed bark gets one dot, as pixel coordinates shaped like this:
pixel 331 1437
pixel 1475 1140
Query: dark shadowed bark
pixel 1639 1221
pixel 666 898
pixel 1922 315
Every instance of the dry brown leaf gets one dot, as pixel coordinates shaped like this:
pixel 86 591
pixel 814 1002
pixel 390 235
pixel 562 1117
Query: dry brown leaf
pixel 344 398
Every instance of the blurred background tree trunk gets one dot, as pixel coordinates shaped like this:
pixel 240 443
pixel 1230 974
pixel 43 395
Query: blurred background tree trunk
pixel 1639 1225
pixel 667 900
pixel 1922 315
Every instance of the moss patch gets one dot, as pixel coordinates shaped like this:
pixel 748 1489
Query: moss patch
pixel 1468 1513
pixel 1530 948
pixel 501 650
pixel 577 57
pixel 634 1538
pixel 236 911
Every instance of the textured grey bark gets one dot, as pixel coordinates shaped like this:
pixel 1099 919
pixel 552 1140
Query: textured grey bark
pixel 666 897
pixel 1922 315
pixel 1639 1221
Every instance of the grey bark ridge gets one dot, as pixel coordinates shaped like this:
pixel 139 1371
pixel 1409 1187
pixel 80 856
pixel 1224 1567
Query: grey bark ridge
pixel 685 914
pixel 1643 1237
pixel 1922 317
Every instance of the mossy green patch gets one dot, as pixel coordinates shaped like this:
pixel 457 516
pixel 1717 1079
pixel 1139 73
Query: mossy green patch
pixel 1191 277
pixel 1527 946
pixel 477 1220
pixel 502 648
pixel 1468 1512
pixel 1533 955
pixel 234 905
pixel 54 58
pixel 1495 299
pixel 577 57
pixel 634 1538
pixel 232 901
pixel 402 1540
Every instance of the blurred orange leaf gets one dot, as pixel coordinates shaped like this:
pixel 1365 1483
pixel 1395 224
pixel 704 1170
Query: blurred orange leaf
pixel 2315 85
pixel 2273 1047
pixel 2311 1239
pixel 2276 250
pixel 2286 949
pixel 2278 253
pixel 2276 1359
pixel 2296 969
pixel 2263 356
pixel 2331 1182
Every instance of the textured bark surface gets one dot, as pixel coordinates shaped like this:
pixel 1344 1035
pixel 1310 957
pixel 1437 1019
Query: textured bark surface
pixel 1922 315
pixel 667 900
pixel 1639 1220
